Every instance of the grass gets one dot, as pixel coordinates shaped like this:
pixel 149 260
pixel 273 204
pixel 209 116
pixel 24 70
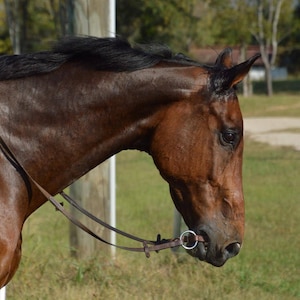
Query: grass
pixel 275 106
pixel 284 102
pixel 268 266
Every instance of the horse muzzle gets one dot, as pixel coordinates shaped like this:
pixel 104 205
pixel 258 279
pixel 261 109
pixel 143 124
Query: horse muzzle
pixel 212 250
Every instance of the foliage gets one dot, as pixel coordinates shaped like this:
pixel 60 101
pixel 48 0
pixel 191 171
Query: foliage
pixel 5 46
pixel 177 23
pixel 31 25
pixel 234 18
pixel 206 22
pixel 290 47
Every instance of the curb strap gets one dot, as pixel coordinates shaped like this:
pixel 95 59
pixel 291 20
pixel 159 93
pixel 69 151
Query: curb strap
pixel 186 239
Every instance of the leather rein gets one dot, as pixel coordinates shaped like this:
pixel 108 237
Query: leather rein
pixel 188 239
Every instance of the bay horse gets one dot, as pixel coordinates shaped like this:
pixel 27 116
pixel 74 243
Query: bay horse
pixel 65 111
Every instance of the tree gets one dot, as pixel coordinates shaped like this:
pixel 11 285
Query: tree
pixel 234 18
pixel 274 23
pixel 177 23
pixel 33 24
pixel 5 45
pixel 289 52
pixel 15 13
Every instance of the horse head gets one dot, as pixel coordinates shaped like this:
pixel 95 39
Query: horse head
pixel 203 163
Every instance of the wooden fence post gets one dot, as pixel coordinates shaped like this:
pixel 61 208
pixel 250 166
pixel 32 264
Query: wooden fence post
pixel 91 17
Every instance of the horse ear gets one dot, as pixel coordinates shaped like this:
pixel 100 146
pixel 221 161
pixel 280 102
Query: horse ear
pixel 225 59
pixel 228 78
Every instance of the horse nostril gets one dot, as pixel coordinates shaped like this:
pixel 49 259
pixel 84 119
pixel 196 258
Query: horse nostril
pixel 232 250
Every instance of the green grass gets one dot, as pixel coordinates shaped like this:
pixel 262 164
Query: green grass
pixel 268 266
pixel 275 106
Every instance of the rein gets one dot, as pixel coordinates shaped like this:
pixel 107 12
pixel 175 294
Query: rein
pixel 188 239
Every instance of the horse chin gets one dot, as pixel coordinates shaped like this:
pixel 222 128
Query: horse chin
pixel 202 254
pixel 199 252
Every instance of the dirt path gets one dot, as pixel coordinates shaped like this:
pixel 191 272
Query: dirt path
pixel 275 131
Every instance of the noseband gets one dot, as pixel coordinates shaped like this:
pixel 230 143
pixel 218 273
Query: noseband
pixel 188 239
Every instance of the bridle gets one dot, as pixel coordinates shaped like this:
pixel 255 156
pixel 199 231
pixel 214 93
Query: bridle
pixel 188 239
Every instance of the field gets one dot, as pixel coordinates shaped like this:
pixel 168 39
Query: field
pixel 268 266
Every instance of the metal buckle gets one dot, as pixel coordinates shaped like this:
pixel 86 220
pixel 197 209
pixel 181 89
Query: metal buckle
pixel 185 234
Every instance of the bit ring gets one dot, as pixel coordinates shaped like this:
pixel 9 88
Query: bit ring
pixel 185 234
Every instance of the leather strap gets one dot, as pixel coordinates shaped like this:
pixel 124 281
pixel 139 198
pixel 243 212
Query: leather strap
pixel 148 246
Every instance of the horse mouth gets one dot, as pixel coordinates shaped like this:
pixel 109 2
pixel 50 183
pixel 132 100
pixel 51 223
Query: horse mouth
pixel 206 250
pixel 202 253
pixel 201 250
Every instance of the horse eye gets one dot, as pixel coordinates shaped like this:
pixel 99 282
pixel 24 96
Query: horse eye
pixel 229 137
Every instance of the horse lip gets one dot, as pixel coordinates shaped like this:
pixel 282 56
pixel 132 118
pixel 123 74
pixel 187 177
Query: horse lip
pixel 202 253
pixel 201 250
pixel 217 263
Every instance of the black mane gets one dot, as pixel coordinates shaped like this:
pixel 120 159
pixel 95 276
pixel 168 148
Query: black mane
pixel 107 54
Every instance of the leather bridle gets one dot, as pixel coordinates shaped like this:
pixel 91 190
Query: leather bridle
pixel 188 239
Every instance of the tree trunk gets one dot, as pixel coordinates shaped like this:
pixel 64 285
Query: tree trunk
pixel 13 21
pixel 267 21
pixel 92 190
pixel 247 84
pixel 268 75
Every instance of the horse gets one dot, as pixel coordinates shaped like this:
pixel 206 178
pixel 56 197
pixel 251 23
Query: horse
pixel 66 110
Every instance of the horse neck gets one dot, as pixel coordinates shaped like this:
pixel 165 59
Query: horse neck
pixel 126 108
pixel 137 103
pixel 75 118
